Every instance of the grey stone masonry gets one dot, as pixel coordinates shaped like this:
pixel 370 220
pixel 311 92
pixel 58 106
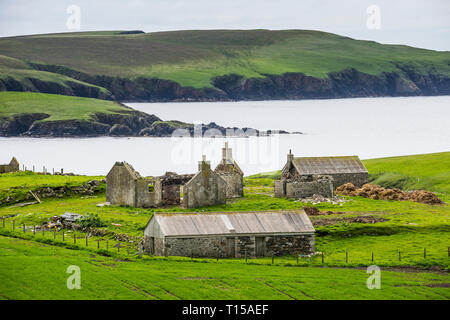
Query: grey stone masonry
pixel 125 186
pixel 230 171
pixel 205 188
pixel 304 177
pixel 13 166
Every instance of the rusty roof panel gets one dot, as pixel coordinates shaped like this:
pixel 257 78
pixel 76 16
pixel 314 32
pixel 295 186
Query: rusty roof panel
pixel 329 165
pixel 259 222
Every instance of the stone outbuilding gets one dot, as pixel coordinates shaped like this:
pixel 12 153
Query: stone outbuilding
pixel 205 188
pixel 303 177
pixel 229 234
pixel 230 171
pixel 13 166
pixel 125 186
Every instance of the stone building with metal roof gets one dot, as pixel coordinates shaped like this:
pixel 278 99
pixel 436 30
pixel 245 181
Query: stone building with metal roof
pixel 229 234
pixel 230 171
pixel 303 177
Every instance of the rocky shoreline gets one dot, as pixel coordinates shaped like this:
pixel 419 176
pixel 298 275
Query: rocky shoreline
pixel 129 123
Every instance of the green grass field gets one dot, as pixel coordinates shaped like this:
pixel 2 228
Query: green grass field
pixel 410 228
pixel 193 58
pixel 58 107
pixel 31 270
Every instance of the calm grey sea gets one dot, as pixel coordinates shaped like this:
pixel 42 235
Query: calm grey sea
pixel 368 127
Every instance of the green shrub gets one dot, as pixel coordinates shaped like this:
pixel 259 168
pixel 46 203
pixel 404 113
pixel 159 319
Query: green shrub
pixel 91 220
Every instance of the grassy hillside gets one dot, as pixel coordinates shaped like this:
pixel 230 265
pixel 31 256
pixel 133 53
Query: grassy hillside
pixel 424 171
pixel 17 70
pixel 31 270
pixel 59 107
pixel 193 58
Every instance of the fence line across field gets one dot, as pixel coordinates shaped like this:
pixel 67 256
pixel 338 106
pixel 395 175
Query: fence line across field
pixel 119 244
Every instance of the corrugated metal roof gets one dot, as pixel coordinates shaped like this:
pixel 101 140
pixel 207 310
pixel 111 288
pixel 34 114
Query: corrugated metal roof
pixel 329 165
pixel 259 222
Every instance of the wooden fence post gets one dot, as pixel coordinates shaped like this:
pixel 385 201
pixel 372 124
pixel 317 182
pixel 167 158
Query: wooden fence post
pixel 372 256
pixel 34 230
pixel 24 230
pixel 43 232
pixel 54 234
pixel 74 238
pixel 322 257
pixel 98 244
pixel 14 225
pixel 346 257
pixel 424 253
pixel 399 256
pixel 86 240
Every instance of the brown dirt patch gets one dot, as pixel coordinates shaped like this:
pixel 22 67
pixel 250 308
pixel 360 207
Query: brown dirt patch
pixel 360 219
pixel 373 191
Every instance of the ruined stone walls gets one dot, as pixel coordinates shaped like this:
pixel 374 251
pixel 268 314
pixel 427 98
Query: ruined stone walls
pixel 304 186
pixel 120 186
pixel 322 185
pixel 204 189
pixel 13 166
pixel 171 186
pixel 235 184
pixel 145 198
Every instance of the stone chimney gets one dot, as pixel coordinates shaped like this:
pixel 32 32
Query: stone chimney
pixel 226 154
pixel 204 165
pixel 290 156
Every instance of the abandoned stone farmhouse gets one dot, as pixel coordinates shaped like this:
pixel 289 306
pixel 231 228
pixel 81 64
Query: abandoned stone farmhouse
pixel 125 186
pixel 230 171
pixel 303 177
pixel 229 234
pixel 13 166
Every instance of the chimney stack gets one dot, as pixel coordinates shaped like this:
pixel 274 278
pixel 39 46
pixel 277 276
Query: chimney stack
pixel 202 165
pixel 290 156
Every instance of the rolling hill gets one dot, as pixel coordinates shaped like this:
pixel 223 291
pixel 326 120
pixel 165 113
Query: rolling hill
pixel 218 65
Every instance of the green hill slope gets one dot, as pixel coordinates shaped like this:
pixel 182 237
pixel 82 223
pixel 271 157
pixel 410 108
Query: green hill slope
pixel 41 114
pixel 197 58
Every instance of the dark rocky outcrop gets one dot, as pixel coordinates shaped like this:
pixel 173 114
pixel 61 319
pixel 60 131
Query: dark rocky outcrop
pixel 19 123
pixel 124 123
pixel 344 84
pixel 71 88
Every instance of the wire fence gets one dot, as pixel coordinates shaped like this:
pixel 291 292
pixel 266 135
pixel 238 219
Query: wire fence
pixel 437 254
